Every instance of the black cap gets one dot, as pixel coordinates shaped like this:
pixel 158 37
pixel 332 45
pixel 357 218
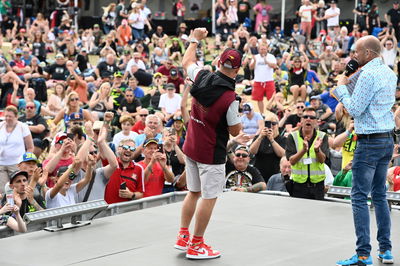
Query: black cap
pixel 173 72
pixel 170 86
pixel 61 170
pixel 17 173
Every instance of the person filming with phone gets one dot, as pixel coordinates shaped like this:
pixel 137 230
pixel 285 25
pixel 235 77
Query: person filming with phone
pixel 268 147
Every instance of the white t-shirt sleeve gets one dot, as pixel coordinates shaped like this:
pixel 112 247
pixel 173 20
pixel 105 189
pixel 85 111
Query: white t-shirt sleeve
pixel 161 104
pixel 232 115
pixel 271 58
pixel 25 130
pixel 193 70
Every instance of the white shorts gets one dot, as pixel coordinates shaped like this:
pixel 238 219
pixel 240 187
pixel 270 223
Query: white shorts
pixel 209 179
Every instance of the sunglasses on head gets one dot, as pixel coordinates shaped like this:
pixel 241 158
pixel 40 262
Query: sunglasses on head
pixel 127 147
pixel 312 117
pixel 243 155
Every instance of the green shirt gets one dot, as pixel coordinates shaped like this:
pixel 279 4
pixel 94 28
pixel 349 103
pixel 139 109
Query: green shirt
pixel 4 5
pixel 343 179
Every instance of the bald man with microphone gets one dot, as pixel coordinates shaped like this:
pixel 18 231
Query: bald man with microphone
pixel 370 105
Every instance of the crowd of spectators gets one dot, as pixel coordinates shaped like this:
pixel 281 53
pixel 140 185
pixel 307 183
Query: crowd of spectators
pixel 101 113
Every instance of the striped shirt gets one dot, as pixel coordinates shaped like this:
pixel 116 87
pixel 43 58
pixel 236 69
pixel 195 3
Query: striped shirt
pixel 372 99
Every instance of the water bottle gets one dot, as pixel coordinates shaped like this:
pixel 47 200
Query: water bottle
pixel 10 196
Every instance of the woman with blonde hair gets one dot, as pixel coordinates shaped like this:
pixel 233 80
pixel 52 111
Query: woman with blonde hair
pixel 108 17
pixel 268 147
pixel 72 105
pixel 101 101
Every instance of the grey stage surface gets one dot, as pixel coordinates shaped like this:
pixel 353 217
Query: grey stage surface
pixel 249 229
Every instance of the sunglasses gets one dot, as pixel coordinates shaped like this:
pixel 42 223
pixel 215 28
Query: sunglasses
pixel 300 107
pixel 243 155
pixel 130 96
pixel 127 147
pixel 93 152
pixel 143 115
pixel 74 99
pixel 273 123
pixel 30 107
pixel 77 123
pixel 312 117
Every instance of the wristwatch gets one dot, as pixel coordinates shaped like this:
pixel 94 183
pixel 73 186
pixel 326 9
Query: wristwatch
pixel 193 40
pixel 72 175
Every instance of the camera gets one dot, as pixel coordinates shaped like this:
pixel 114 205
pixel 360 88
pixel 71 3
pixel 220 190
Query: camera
pixel 122 186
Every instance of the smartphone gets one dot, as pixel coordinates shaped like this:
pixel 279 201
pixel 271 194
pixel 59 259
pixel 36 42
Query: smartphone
pixel 122 186
pixel 160 148
pixel 172 131
pixel 268 124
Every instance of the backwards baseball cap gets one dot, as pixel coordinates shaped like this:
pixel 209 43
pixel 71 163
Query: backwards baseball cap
pixel 242 148
pixel 75 116
pixel 28 157
pixel 149 141
pixel 18 51
pixel 231 58
pixel 60 137
pixel 173 71
pixel 18 173
pixel 61 170
pixel 247 107
pixel 59 56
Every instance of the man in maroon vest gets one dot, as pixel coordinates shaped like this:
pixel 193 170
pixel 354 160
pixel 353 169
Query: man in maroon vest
pixel 214 115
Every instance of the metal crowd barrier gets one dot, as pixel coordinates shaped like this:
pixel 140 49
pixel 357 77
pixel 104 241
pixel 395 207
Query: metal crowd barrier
pixel 55 220
pixel 335 194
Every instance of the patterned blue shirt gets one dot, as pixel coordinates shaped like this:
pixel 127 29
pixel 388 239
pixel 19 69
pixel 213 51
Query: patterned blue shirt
pixel 372 99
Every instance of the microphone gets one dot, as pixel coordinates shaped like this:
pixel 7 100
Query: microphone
pixel 351 67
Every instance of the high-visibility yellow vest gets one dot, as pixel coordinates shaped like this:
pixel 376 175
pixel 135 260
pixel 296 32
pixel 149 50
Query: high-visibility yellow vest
pixel 301 171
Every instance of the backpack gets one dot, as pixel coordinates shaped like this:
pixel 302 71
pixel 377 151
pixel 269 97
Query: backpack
pixel 175 10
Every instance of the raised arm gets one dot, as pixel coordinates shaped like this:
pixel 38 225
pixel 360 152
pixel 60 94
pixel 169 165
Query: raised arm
pixel 190 54
pixel 104 149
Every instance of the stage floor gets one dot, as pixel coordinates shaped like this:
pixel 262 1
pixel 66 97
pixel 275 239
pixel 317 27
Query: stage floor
pixel 249 229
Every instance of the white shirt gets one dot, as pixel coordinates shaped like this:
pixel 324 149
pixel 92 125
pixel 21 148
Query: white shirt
pixel 120 136
pixel 60 200
pixel 389 56
pixel 140 64
pixel 12 145
pixel 306 12
pixel 171 105
pixel 232 115
pixel 262 71
pixel 139 24
pixel 334 21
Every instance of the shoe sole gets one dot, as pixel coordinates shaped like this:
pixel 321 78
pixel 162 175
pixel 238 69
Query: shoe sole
pixel 354 264
pixel 194 257
pixel 386 261
pixel 180 248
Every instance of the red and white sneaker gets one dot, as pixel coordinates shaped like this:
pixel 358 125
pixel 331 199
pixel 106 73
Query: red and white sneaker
pixel 182 241
pixel 201 251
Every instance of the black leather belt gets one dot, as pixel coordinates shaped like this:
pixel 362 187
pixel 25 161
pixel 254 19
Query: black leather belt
pixel 375 136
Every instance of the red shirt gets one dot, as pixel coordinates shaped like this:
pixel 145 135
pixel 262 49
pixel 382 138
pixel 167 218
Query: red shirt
pixel 396 179
pixel 176 82
pixel 163 70
pixel 133 176
pixel 138 127
pixel 155 183
pixel 66 162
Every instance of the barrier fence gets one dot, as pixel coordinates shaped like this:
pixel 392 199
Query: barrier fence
pixel 81 214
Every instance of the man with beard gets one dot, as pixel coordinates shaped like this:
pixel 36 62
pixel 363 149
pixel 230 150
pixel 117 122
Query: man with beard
pixel 307 149
pixel 127 181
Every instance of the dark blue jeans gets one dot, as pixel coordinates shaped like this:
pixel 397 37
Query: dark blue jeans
pixel 370 165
